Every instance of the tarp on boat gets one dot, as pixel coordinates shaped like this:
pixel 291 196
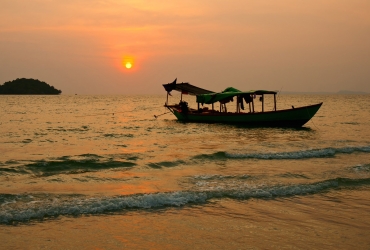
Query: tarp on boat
pixel 228 94
pixel 185 88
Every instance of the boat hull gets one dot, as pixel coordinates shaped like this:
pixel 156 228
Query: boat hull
pixel 295 117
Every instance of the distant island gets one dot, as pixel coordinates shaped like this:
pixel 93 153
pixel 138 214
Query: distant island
pixel 23 86
pixel 348 92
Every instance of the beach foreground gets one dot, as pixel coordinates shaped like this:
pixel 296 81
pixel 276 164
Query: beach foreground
pixel 101 172
pixel 314 221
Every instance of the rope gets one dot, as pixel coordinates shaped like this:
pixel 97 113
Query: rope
pixel 156 116
pixel 100 114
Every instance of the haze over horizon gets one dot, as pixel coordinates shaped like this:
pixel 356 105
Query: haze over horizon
pixel 133 47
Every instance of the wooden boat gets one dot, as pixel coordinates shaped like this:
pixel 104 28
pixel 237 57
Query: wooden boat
pixel 294 117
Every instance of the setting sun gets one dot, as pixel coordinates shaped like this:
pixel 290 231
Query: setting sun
pixel 128 62
pixel 128 65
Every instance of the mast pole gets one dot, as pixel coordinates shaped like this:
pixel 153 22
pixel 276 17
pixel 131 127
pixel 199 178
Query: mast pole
pixel 252 105
pixel 237 104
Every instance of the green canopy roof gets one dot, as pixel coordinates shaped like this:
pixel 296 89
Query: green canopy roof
pixel 229 93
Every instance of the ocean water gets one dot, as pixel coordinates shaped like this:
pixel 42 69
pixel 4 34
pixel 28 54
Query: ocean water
pixel 102 172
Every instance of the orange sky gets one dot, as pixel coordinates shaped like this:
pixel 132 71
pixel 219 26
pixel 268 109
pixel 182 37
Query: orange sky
pixel 80 46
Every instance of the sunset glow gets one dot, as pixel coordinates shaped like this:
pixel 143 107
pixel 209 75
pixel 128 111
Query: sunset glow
pixel 315 46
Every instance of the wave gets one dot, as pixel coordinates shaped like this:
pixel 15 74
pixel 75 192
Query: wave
pixel 61 129
pixel 166 164
pixel 362 168
pixel 302 154
pixel 69 165
pixel 23 208
pixel 118 135
pixel 92 163
pixel 221 177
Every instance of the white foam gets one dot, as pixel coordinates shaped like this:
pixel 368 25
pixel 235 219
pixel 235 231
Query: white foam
pixel 97 205
pixel 311 153
pixel 78 206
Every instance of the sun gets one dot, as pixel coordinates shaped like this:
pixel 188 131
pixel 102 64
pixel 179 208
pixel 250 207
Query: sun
pixel 128 65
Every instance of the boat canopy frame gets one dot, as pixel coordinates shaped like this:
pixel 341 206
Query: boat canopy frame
pixel 204 96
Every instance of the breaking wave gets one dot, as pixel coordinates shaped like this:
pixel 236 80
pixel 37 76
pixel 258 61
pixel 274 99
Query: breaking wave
pixel 23 208
pixel 302 154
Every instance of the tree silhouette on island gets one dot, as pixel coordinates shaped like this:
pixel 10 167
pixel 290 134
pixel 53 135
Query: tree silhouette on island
pixel 23 86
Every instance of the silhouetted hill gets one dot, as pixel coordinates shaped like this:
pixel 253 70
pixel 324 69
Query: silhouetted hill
pixel 23 86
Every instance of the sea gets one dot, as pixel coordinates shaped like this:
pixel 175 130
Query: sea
pixel 120 172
